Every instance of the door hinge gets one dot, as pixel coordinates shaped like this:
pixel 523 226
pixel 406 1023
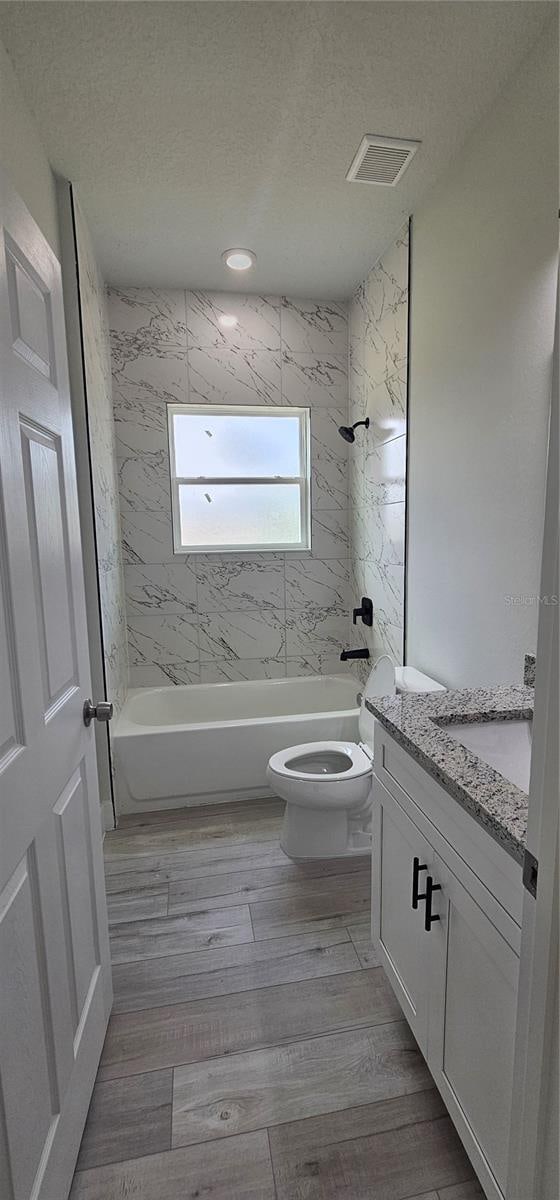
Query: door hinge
pixel 530 872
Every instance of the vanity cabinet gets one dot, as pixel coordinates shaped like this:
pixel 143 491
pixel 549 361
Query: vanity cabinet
pixel 397 927
pixel 473 1005
pixel 446 911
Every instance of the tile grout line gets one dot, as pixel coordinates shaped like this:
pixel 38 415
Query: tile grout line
pixel 271 1045
pixel 272 1171
pixel 185 953
pixel 359 969
pixel 162 887
pixel 236 871
pixel 152 889
pixel 437 1191
pixel 233 1054
pixel 272 937
pixel 122 1012
pixel 355 919
pixel 300 1121
pixel 172 1108
pixel 252 929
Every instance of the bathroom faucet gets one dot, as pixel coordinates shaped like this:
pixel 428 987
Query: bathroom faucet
pixel 365 612
pixel 361 653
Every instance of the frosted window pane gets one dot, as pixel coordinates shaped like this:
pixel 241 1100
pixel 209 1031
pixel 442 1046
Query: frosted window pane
pixel 219 446
pixel 239 514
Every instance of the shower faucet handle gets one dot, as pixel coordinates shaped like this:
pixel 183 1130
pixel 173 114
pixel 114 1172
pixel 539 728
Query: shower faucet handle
pixel 365 612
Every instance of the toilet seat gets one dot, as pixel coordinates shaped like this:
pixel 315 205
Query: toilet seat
pixel 297 762
pixel 327 786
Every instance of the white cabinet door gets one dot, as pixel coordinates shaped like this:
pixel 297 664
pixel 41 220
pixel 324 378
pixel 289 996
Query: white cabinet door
pixel 402 859
pixel 473 1011
pixel 55 984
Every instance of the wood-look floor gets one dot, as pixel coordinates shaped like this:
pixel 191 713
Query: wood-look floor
pixel 255 1050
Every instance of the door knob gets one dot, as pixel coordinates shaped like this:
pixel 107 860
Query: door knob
pixel 103 711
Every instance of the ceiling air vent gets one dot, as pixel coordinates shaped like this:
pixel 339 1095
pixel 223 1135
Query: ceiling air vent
pixel 381 160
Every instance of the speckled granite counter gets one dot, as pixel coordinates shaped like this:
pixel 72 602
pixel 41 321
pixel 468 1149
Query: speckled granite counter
pixel 417 723
pixel 529 669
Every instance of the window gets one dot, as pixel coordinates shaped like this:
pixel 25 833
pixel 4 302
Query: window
pixel 239 477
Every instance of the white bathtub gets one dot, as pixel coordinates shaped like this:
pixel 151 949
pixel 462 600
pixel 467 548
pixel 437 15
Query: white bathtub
pixel 208 743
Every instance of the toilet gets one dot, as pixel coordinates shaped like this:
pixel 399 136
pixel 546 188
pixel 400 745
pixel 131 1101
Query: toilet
pixel 327 785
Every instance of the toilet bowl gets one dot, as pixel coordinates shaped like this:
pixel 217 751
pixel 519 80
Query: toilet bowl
pixel 327 785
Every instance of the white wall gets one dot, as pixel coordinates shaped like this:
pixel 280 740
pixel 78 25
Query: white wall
pixel 22 155
pixel 482 314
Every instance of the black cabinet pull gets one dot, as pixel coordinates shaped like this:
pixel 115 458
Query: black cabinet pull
pixel 416 868
pixel 430 917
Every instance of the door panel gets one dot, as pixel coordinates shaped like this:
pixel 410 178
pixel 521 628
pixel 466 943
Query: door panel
pixel 79 913
pixel 55 989
pixel 398 929
pixel 11 715
pixel 471 1058
pixel 30 311
pixel 31 1095
pixel 46 520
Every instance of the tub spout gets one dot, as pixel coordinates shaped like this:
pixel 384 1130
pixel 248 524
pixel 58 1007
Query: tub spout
pixel 361 653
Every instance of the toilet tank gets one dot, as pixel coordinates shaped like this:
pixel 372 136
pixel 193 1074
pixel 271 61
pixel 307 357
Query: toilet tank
pixel 380 682
pixel 408 679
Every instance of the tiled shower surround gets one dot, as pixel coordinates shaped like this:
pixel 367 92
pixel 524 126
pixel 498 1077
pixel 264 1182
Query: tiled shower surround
pixel 207 617
pixel 217 617
pixel 377 384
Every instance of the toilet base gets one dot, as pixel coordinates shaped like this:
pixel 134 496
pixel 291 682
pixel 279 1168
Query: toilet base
pixel 316 833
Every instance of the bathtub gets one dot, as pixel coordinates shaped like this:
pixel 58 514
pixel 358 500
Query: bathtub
pixel 209 743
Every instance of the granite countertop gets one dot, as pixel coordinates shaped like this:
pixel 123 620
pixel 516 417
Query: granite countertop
pixel 417 723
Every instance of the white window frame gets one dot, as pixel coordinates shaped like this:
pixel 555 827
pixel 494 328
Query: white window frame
pixel 303 480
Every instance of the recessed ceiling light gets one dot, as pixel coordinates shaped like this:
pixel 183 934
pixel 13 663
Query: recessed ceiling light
pixel 227 321
pixel 238 259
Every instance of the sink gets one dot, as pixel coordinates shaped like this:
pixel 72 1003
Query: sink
pixel 504 745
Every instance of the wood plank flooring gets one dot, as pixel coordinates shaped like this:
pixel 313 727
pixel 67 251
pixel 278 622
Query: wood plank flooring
pixel 255 1050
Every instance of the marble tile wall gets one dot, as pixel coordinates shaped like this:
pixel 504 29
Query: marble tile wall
pixel 206 618
pixel 97 366
pixel 377 381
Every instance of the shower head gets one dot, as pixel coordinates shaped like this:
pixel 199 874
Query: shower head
pixel 347 431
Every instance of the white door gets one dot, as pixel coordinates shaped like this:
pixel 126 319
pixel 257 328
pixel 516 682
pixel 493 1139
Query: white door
pixel 55 986
pixel 534 1159
pixel 472 1025
pixel 401 859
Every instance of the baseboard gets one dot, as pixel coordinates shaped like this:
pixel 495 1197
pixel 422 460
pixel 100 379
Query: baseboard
pixel 107 817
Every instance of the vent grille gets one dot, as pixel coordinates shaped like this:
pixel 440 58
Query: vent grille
pixel 381 160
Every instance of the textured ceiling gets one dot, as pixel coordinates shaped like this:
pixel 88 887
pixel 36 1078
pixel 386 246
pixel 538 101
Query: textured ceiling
pixel 191 127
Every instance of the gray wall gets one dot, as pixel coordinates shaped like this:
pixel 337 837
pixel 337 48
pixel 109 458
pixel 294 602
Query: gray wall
pixel 377 368
pixel 483 278
pixel 22 155
pixel 207 618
